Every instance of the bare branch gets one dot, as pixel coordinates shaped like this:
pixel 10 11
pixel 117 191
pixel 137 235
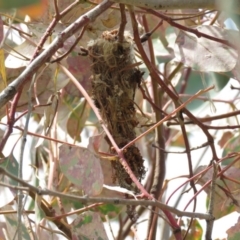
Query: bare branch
pixel 86 199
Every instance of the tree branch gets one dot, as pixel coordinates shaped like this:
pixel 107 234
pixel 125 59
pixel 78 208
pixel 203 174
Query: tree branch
pixel 8 93
pixel 211 203
pixel 86 199
pixel 181 4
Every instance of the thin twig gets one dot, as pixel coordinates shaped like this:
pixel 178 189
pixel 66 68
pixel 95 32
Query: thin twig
pixel 210 222
pixel 110 227
pixel 122 24
pixel 200 92
pixel 51 26
pixel 191 30
pixel 72 47
pixel 90 102
pixel 208 119
pixel 183 152
pixel 158 165
pixel 209 181
pixel 190 168
pixel 20 168
pixel 56 8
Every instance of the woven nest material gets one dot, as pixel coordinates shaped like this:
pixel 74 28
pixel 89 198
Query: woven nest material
pixel 114 83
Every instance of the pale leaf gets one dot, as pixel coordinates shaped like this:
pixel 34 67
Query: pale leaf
pixel 203 54
pixel 82 168
pixel 88 226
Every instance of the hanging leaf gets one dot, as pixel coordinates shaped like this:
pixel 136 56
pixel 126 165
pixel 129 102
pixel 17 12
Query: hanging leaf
pixel 112 19
pixel 77 119
pixel 50 113
pixel 95 142
pixel 195 231
pixel 82 168
pixel 79 66
pixel 225 138
pixel 12 224
pixel 6 196
pixel 205 55
pixel 10 164
pixel 111 210
pixel 39 213
pixel 3 83
pixel 1 29
pixel 231 146
pixel 195 83
pixel 88 226
pixel 227 193
pixel 234 231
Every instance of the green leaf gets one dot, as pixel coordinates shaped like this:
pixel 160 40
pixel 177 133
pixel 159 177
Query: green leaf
pixel 109 208
pixel 39 213
pixel 77 119
pixel 235 236
pixel 12 225
pixel 17 3
pixel 10 164
pixel 231 146
pixel 195 232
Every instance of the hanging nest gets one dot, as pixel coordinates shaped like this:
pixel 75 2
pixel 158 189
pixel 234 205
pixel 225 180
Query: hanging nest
pixel 114 83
